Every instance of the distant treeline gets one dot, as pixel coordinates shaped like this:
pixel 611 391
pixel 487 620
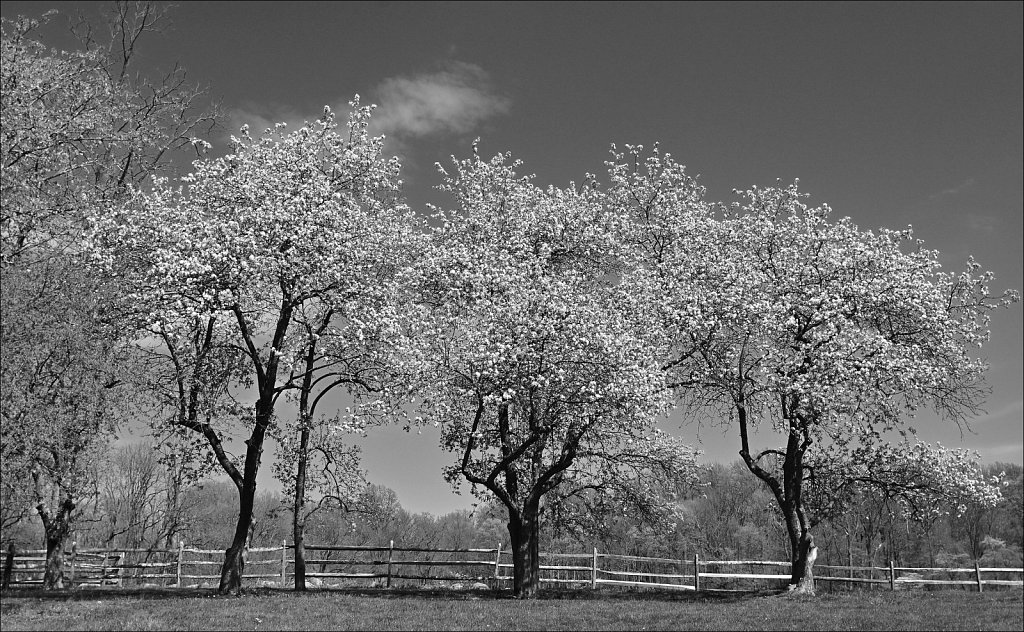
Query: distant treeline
pixel 138 504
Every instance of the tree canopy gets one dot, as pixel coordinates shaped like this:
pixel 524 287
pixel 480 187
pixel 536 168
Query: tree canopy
pixel 779 316
pixel 542 373
pixel 291 237
pixel 546 331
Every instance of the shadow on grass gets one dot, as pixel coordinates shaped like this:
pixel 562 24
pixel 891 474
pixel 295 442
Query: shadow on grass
pixel 94 594
pixel 585 594
pixel 10 598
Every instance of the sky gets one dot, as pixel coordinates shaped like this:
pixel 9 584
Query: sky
pixel 894 114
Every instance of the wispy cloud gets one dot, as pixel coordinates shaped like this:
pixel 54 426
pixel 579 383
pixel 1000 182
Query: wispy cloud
pixel 261 116
pixel 1003 451
pixel 983 222
pixel 955 190
pixel 455 99
pixel 1011 411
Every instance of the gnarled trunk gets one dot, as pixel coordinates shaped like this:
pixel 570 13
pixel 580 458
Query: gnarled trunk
pixel 524 532
pixel 806 552
pixel 234 558
pixel 53 576
pixel 788 494
pixel 56 527
pixel 803 551
pixel 233 570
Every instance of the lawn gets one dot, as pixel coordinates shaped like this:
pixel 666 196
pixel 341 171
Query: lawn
pixel 266 609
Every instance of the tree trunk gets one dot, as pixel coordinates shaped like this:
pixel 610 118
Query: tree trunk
pixel 299 508
pixel 515 533
pixel 53 576
pixel 298 515
pixel 232 571
pixel 803 551
pixel 8 567
pixel 234 568
pixel 788 493
pixel 234 558
pixel 802 581
pixel 524 534
pixel 531 576
pixel 56 528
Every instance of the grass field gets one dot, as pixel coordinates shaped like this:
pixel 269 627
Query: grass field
pixel 445 610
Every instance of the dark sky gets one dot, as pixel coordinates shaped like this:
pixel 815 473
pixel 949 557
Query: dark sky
pixel 893 114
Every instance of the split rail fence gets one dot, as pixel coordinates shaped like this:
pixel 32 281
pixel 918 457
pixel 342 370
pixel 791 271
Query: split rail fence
pixel 349 566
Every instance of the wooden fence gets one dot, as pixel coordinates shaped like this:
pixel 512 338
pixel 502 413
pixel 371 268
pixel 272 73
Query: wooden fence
pixel 383 566
pixel 121 567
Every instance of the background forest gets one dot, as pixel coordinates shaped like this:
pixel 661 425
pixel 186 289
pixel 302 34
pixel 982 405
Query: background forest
pixel 140 502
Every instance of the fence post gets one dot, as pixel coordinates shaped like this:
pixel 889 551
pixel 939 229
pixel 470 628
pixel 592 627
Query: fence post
pixel 849 559
pixel 284 563
pixel 177 573
pixel 696 572
pixel 103 568
pixel 74 554
pixel 892 575
pixel 497 565
pixel 977 574
pixel 391 550
pixel 119 561
pixel 593 572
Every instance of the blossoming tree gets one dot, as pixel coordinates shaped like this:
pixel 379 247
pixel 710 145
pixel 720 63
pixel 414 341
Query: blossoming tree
pixel 781 318
pixel 76 129
pixel 79 127
pixel 538 369
pixel 244 250
pixel 59 410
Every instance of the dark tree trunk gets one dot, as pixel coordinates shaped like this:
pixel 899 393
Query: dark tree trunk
pixel 299 508
pixel 234 568
pixel 803 558
pixel 56 528
pixel 299 516
pixel 531 579
pixel 234 558
pixel 803 551
pixel 788 495
pixel 8 567
pixel 515 533
pixel 53 576
pixel 524 533
pixel 793 535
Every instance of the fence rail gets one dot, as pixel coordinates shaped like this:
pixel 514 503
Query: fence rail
pixel 182 566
